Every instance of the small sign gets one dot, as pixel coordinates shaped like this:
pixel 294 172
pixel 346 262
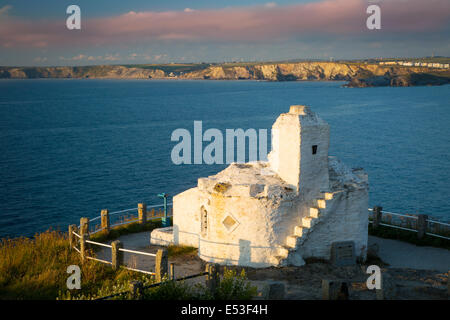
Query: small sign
pixel 343 253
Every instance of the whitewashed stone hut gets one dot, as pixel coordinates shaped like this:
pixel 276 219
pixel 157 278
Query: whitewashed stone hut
pixel 279 212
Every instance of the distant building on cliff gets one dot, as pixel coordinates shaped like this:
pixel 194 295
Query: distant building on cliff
pixel 279 212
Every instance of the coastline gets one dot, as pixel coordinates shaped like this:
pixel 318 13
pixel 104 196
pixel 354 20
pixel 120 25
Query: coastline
pixel 356 74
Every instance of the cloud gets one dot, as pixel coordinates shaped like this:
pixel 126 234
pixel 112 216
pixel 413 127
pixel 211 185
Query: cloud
pixel 40 59
pixel 107 57
pixel 270 5
pixel 264 23
pixel 111 57
pixel 4 10
pixel 75 58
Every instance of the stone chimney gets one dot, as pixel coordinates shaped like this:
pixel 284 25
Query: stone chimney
pixel 300 141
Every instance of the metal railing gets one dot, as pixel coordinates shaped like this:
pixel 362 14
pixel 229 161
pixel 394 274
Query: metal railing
pixel 117 218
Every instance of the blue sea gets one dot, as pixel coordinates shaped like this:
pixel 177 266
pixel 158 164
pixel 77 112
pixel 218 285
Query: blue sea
pixel 69 148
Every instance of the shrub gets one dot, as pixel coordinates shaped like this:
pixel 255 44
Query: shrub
pixel 234 286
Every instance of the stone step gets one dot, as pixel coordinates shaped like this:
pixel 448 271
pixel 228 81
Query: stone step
pixel 298 231
pixel 291 241
pixel 283 251
pixel 307 222
pixel 321 203
pixel 327 195
pixel 314 212
pixel 278 260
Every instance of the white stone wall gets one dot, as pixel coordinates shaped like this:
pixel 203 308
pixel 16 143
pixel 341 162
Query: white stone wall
pixel 314 167
pixel 261 225
pixel 346 219
pixel 260 229
pixel 285 155
pixel 186 218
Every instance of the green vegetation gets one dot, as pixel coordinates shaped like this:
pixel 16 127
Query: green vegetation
pixel 172 67
pixel 232 286
pixel 175 251
pixel 36 268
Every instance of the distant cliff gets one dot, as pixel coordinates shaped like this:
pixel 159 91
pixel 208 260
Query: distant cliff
pixel 405 80
pixel 358 74
pixel 96 72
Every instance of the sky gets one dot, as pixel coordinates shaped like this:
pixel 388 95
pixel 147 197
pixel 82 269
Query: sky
pixel 34 32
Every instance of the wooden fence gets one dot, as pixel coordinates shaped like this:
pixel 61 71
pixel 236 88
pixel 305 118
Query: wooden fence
pixel 136 287
pixel 421 223
pixel 79 239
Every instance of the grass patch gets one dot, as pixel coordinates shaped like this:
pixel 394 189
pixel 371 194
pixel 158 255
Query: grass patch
pixel 175 67
pixel 119 231
pixel 176 251
pixel 36 268
pixel 408 236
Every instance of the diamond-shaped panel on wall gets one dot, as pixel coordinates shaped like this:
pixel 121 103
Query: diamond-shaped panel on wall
pixel 230 223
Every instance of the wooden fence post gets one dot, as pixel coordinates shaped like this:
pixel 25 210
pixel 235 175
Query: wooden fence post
pixel 377 214
pixel 72 239
pixel 274 290
pixel 105 219
pixel 172 271
pixel 116 254
pixel 422 222
pixel 448 287
pixel 142 211
pixel 335 289
pixel 84 226
pixel 161 264
pixel 212 278
pixel 83 248
pixel 388 290
pixel 136 290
